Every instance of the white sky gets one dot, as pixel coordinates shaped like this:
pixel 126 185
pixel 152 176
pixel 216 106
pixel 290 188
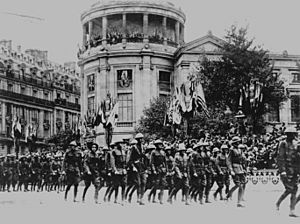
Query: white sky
pixel 274 23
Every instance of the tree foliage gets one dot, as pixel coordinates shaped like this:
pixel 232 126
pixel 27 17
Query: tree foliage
pixel 62 139
pixel 239 65
pixel 152 121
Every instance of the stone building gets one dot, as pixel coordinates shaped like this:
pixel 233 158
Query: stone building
pixel 38 92
pixel 135 50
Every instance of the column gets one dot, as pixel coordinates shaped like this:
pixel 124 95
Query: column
pixel 182 33
pixel 124 27
pixel 54 122
pixel 83 36
pixel 63 117
pixel 177 33
pixel 3 117
pixel 41 124
pixel 104 29
pixel 145 27
pixel 164 24
pixel 90 32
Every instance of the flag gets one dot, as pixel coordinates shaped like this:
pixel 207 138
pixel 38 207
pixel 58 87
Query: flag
pixel 16 129
pixel 199 99
pixel 113 116
pixel 100 115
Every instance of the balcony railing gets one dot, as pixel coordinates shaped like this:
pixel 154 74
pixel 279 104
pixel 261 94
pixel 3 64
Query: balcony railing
pixel 172 43
pixel 66 104
pixel 24 98
pixel 123 124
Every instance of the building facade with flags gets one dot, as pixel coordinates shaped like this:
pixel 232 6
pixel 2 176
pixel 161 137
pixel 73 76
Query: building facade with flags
pixel 136 51
pixel 38 98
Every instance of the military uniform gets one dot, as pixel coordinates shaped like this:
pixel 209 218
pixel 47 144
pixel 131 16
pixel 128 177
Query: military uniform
pixel 118 164
pixel 24 173
pixel 159 169
pixel 235 163
pixel 223 174
pixel 91 173
pixel 73 168
pixel 288 161
pixel 181 177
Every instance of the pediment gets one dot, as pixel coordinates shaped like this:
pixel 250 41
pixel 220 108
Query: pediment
pixel 208 43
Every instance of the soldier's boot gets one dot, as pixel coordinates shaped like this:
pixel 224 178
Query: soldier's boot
pixel 160 197
pixel 281 198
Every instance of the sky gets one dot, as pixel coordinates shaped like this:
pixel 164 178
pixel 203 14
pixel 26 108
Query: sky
pixel 273 23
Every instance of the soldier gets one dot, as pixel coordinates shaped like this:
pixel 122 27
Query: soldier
pixel 47 173
pixel 56 172
pixel 118 164
pixel 223 176
pixel 131 173
pixel 108 169
pixel 72 166
pixel 92 172
pixel 209 172
pixel 2 158
pixel 137 161
pixel 24 173
pixel 181 178
pixel 15 172
pixel 36 172
pixel 170 169
pixel 7 173
pixel 198 177
pixel 158 165
pixel 288 168
pixel 235 163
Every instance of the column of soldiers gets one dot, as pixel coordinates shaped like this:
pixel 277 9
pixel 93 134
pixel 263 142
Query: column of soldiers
pixel 129 169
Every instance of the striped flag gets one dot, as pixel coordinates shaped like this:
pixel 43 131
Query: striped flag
pixel 113 116
pixel 199 99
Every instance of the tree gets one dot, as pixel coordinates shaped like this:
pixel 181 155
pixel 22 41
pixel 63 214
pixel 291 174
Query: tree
pixel 152 121
pixel 243 70
pixel 63 139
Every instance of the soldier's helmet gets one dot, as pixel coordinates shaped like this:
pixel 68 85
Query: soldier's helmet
pixel 151 146
pixel 291 130
pixel 139 135
pixel 73 143
pixel 133 142
pixel 158 142
pixel 215 150
pixel 224 147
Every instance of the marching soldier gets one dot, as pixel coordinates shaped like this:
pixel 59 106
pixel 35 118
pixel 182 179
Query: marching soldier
pixel 7 173
pixel 181 178
pixel 118 164
pixel 235 162
pixel 36 169
pixel 72 166
pixel 24 173
pixel 223 176
pixel 209 172
pixel 159 168
pixel 92 172
pixel 137 162
pixel 170 169
pixel 288 166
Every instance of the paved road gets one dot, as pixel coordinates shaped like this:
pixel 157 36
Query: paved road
pixel 49 207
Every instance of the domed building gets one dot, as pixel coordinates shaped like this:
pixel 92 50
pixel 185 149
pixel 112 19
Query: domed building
pixel 135 51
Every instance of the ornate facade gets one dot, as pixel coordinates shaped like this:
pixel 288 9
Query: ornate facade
pixel 38 92
pixel 135 51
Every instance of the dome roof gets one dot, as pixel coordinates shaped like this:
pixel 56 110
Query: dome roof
pixel 153 2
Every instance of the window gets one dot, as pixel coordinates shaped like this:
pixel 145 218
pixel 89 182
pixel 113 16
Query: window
pixel 34 93
pixel 23 90
pixel 10 87
pixel 68 98
pixel 273 115
pixel 124 78
pixel 76 100
pixel 125 107
pixel 46 95
pixel 91 104
pixel 58 95
pixel 164 81
pixel 295 108
pixel 296 77
pixel 91 83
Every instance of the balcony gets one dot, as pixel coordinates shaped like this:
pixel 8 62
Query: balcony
pixel 123 124
pixel 16 76
pixel 164 86
pixel 63 103
pixel 172 43
pixel 25 99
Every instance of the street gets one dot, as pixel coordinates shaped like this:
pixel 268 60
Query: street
pixel 50 207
